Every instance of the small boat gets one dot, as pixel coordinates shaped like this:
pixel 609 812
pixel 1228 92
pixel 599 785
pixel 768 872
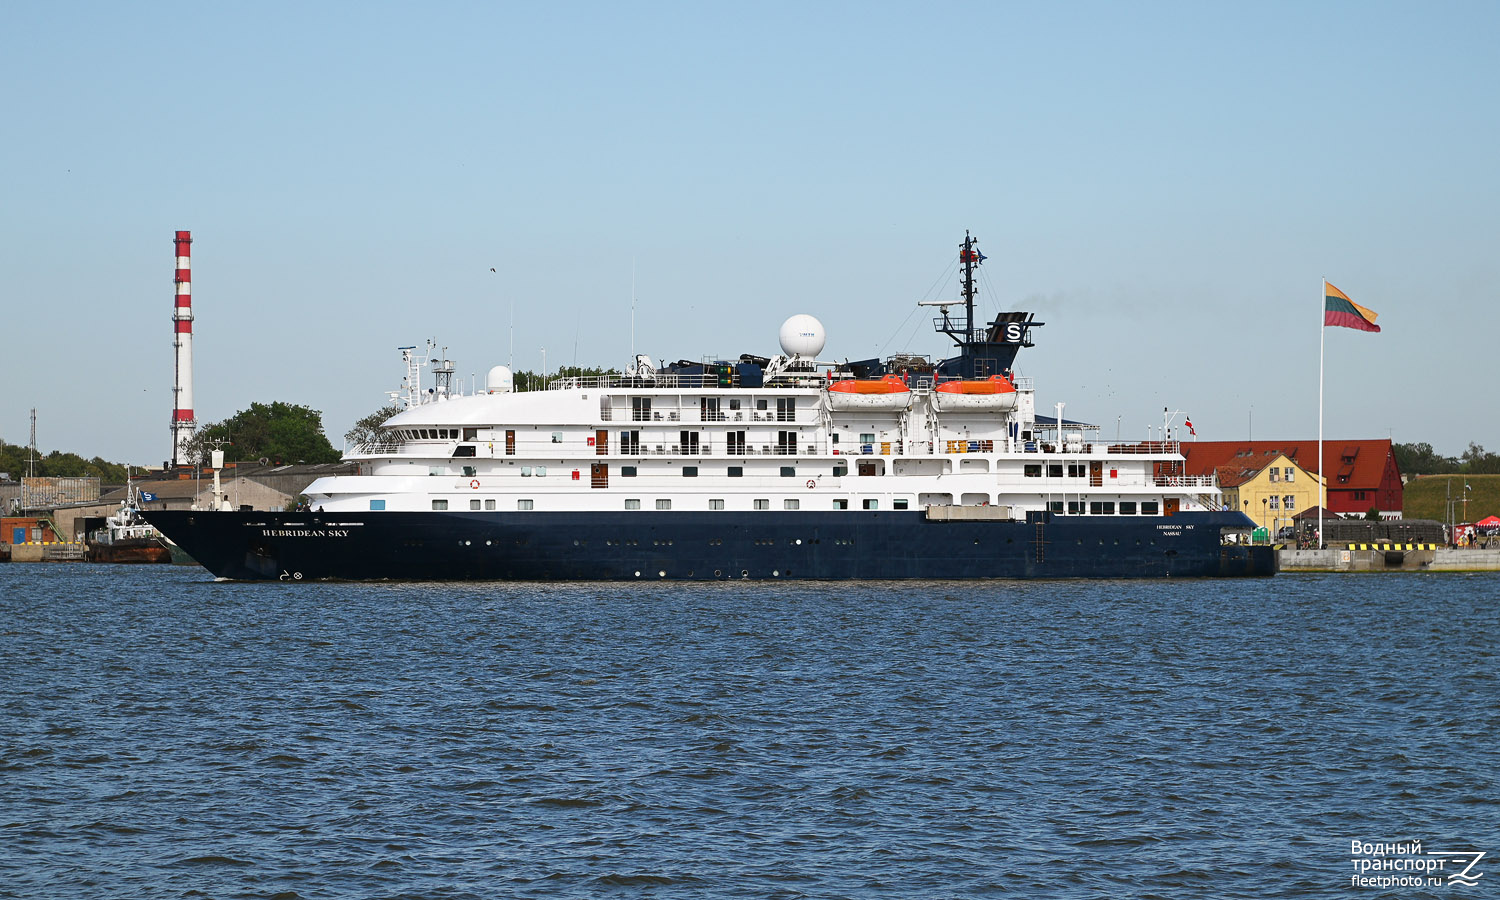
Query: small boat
pixel 993 393
pixel 887 392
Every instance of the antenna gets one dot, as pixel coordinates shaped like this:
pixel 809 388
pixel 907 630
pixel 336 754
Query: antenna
pixel 632 309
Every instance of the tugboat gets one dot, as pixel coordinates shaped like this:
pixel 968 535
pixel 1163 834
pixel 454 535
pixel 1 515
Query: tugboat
pixel 127 537
pixel 758 468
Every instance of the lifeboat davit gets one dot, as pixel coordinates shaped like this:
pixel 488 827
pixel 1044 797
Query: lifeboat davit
pixel 889 392
pixel 993 393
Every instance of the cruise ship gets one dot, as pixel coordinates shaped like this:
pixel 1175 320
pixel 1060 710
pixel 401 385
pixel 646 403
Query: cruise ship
pixel 756 468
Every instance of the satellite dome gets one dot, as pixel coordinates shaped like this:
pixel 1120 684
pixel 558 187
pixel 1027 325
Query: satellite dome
pixel 499 381
pixel 802 335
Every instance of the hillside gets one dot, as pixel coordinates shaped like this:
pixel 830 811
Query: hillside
pixel 1426 497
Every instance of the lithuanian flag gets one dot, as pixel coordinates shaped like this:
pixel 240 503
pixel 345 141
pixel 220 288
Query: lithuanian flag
pixel 1338 309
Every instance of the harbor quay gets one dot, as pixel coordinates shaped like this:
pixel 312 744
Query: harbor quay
pixel 1391 558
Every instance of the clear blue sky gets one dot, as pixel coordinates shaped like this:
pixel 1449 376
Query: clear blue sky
pixel 1164 184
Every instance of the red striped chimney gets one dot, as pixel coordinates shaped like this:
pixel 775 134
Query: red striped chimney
pixel 183 423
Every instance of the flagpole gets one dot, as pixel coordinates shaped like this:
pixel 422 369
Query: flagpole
pixel 1322 473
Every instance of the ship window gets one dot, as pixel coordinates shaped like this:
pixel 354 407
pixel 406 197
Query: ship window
pixel 632 504
pixel 436 470
pixel 1148 507
pixel 689 471
pixel 791 504
pixel 1054 470
pixel 523 504
pixel 1033 470
pixel 736 471
pixel 760 404
pixel 716 504
pixel 840 469
pixel 627 471
pixel 557 437
pixel 872 504
pixel 1075 470
pixel 1127 507
pixel 835 437
pixel 788 471
pixel 471 434
pixel 463 450
pixel 1054 506
pixel 377 504
pixel 440 504
pixel 1102 508
pixel 762 504
pixel 1075 507
pixel 841 504
pixel 526 471
pixel 470 471
pixel 899 503
pixel 541 471
pixel 489 504
pixel 473 504
pixel 664 504
pixel 734 403
pixel 867 437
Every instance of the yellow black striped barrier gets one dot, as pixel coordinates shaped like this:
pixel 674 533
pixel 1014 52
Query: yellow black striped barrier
pixel 1393 546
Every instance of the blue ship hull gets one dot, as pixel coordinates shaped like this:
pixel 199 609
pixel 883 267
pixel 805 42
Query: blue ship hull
pixel 706 546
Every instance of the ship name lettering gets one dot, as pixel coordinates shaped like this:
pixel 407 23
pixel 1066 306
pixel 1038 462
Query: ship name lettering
pixel 304 532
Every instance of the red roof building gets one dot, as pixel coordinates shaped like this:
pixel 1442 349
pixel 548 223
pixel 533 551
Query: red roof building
pixel 1361 474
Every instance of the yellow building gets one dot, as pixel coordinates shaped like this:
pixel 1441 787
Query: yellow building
pixel 1270 489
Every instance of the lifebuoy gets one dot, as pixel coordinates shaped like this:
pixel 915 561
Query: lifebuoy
pixel 474 483
pixel 811 484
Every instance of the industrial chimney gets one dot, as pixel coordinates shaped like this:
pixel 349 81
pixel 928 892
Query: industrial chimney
pixel 183 423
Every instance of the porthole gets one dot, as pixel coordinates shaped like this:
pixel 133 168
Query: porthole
pixel 717 573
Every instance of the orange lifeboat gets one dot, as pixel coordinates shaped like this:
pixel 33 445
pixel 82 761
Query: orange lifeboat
pixel 888 392
pixel 993 393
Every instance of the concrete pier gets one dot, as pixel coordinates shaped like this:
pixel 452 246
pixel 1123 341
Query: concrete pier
pixel 1391 558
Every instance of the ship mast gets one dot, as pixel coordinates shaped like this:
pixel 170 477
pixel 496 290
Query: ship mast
pixel 967 255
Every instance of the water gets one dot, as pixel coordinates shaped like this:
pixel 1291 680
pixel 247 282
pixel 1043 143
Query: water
pixel 162 735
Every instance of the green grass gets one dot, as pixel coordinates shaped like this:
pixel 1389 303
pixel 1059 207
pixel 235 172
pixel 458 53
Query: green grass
pixel 1426 497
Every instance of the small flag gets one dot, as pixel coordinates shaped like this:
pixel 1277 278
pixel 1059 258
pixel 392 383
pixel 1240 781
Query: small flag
pixel 1189 424
pixel 1338 309
pixel 147 496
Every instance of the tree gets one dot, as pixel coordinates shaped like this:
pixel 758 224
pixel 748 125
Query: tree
pixel 57 464
pixel 531 381
pixel 368 428
pixel 1372 514
pixel 281 432
pixel 1478 461
pixel 1421 459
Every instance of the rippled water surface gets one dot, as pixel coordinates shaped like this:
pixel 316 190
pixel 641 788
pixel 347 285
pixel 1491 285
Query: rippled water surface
pixel 162 735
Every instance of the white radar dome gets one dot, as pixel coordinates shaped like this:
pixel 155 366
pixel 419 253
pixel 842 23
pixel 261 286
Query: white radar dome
pixel 499 381
pixel 802 335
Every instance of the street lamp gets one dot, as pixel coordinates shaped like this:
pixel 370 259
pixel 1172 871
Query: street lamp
pixel 1265 510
